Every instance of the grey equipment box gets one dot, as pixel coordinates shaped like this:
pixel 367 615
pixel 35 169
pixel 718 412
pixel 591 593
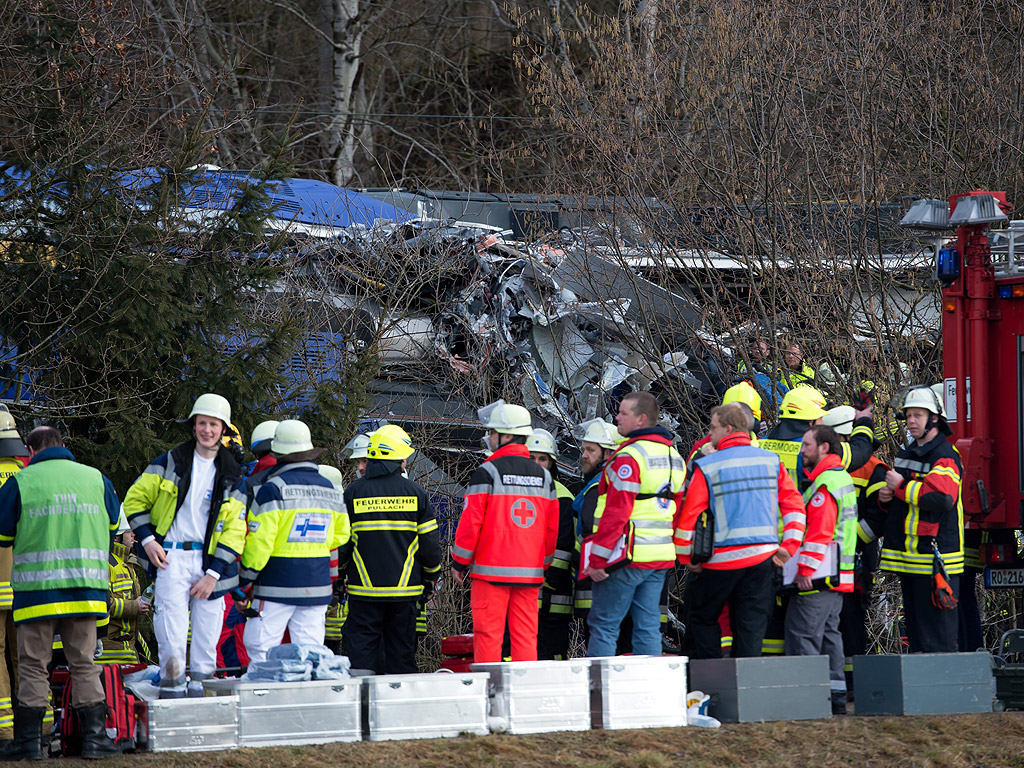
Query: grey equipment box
pixel 540 696
pixel 188 725
pixel 638 692
pixel 280 714
pixel 424 706
pixel 923 684
pixel 764 688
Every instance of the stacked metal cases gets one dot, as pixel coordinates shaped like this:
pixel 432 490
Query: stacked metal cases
pixel 923 684
pixel 188 725
pixel 751 690
pixel 638 692
pixel 539 696
pixel 424 706
pixel 312 712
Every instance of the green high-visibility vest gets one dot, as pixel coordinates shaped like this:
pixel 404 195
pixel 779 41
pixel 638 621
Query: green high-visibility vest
pixel 63 536
pixel 838 483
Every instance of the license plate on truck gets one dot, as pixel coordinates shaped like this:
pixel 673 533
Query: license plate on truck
pixel 1004 578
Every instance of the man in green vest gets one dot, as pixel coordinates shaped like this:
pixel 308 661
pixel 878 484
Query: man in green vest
pixel 60 517
pixel 825 560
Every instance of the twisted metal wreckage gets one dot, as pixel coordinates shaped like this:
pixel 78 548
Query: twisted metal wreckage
pixel 459 315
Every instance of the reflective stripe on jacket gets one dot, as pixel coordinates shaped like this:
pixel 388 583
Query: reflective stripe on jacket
pixel 59 516
pixel 394 546
pixel 641 485
pixel 927 506
pixel 509 524
pixel 155 497
pixel 746 488
pixel 828 522
pixel 296 519
pixel 555 597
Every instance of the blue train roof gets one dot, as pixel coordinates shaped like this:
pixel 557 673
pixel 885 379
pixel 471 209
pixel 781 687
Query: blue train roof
pixel 304 201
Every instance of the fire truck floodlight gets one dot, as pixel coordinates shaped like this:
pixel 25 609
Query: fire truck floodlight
pixel 927 214
pixel 976 209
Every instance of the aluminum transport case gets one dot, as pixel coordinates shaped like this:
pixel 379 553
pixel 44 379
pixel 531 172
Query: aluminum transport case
pixel 188 725
pixel 923 684
pixel 424 706
pixel 540 696
pixel 281 714
pixel 638 692
pixel 750 690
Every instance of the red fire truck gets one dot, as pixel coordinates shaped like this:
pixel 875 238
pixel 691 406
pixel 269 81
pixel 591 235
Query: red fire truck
pixel 983 365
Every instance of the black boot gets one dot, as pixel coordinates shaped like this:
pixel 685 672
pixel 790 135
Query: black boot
pixel 28 734
pixel 95 744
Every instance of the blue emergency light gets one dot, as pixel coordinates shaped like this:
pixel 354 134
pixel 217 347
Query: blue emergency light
pixel 947 265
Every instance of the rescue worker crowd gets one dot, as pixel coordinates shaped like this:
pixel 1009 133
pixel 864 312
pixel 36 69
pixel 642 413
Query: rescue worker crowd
pixel 769 530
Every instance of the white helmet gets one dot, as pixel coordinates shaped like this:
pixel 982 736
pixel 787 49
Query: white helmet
pixel 10 441
pixel 262 436
pixel 122 522
pixel 506 419
pixel 331 473
pixel 840 419
pixel 922 396
pixel 599 432
pixel 291 436
pixel 212 405
pixel 542 441
pixel 356 447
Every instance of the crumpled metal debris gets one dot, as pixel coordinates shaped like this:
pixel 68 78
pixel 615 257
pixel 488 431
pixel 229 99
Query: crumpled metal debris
pixel 567 329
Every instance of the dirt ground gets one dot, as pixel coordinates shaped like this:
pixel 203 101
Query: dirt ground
pixel 971 741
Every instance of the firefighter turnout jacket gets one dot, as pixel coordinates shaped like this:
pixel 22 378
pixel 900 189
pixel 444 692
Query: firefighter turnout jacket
pixel 296 519
pixel 746 488
pixel 583 507
pixel 925 507
pixel 119 645
pixel 394 547
pixel 831 502
pixel 156 496
pixel 641 486
pixel 509 524
pixel 557 593
pixel 785 438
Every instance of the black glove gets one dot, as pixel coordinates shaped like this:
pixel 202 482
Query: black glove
pixel 428 592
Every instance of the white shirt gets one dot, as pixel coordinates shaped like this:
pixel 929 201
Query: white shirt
pixel 190 521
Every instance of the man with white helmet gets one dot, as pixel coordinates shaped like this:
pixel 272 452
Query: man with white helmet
pixel 393 559
pixel 192 529
pixel 13 458
pixel 598 441
pixel 506 536
pixel 296 518
pixel 556 593
pixel 355 450
pixel 868 480
pixel 922 525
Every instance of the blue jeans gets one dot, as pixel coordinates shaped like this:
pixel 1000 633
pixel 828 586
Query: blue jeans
pixel 636 591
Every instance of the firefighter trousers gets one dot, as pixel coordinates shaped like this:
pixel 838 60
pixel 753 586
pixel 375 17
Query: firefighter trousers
pixel 8 646
pixel 492 604
pixel 381 635
pixel 929 629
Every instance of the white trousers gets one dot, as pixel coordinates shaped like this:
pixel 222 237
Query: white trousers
pixel 171 620
pixel 305 624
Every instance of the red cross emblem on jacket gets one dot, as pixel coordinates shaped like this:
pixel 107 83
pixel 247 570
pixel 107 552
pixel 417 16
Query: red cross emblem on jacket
pixel 523 513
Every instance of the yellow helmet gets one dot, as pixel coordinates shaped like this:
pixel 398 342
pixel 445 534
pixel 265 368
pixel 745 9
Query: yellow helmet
pixel 803 403
pixel 744 393
pixel 232 436
pixel 390 442
pixel 10 441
